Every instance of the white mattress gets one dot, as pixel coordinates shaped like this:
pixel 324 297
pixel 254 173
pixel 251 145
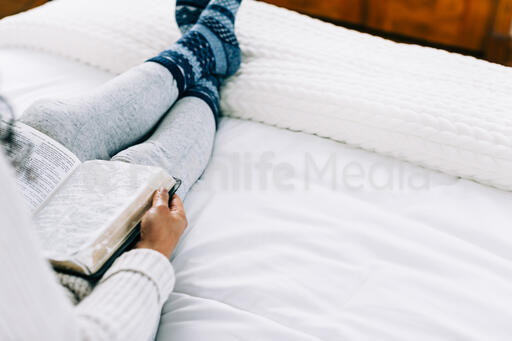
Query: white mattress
pixel 275 251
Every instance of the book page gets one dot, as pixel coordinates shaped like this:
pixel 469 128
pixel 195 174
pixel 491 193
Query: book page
pixel 91 214
pixel 42 164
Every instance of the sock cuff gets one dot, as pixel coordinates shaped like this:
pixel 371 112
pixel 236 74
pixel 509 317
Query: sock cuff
pixel 173 69
pixel 209 98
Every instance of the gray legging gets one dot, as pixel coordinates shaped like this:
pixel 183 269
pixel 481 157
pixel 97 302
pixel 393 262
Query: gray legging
pixel 133 118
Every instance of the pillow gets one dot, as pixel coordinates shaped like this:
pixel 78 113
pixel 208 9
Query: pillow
pixel 444 111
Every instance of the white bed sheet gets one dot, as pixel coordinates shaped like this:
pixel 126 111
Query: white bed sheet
pixel 275 250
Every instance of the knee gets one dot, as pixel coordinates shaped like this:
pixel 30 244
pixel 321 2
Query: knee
pixel 43 113
pixel 51 118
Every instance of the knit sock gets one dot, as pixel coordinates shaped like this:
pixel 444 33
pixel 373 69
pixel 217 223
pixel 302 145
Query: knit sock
pixel 218 20
pixel 207 89
pixel 187 13
pixel 209 47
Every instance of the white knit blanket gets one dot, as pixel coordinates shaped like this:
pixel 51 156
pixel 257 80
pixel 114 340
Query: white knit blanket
pixel 440 110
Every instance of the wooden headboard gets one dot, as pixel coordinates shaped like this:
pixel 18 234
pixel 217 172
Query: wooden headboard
pixel 9 7
pixel 479 27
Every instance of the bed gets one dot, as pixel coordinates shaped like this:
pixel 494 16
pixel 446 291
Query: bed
pixel 297 237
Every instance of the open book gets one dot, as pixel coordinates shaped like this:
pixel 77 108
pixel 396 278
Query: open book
pixel 85 213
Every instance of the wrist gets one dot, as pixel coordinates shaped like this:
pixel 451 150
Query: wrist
pixel 163 250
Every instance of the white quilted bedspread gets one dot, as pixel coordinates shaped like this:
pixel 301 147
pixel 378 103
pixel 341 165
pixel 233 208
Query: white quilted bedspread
pixel 440 110
pixel 318 257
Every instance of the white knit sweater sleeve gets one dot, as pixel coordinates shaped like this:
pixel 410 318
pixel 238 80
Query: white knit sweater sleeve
pixel 126 305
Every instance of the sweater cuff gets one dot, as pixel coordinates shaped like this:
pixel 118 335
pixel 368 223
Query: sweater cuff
pixel 149 263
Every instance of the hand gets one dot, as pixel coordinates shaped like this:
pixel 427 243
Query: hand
pixel 161 226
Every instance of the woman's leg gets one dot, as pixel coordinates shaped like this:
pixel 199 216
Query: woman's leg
pixel 114 116
pixel 183 141
pixel 124 110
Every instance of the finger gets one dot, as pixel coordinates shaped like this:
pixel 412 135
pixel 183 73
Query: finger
pixel 161 198
pixel 176 204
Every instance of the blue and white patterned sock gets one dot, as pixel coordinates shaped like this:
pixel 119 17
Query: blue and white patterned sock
pixel 218 20
pixel 207 89
pixel 188 12
pixel 210 47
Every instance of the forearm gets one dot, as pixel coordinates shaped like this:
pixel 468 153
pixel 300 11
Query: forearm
pixel 128 301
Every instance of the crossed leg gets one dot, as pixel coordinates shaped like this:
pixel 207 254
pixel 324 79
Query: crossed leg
pixel 114 121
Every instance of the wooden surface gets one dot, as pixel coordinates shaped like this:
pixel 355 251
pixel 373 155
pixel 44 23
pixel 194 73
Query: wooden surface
pixel 9 7
pixel 479 27
pixel 499 42
pixel 351 11
pixel 459 23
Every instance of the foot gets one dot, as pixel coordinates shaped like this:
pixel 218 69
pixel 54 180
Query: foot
pixel 187 13
pixel 210 47
pixel 218 20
